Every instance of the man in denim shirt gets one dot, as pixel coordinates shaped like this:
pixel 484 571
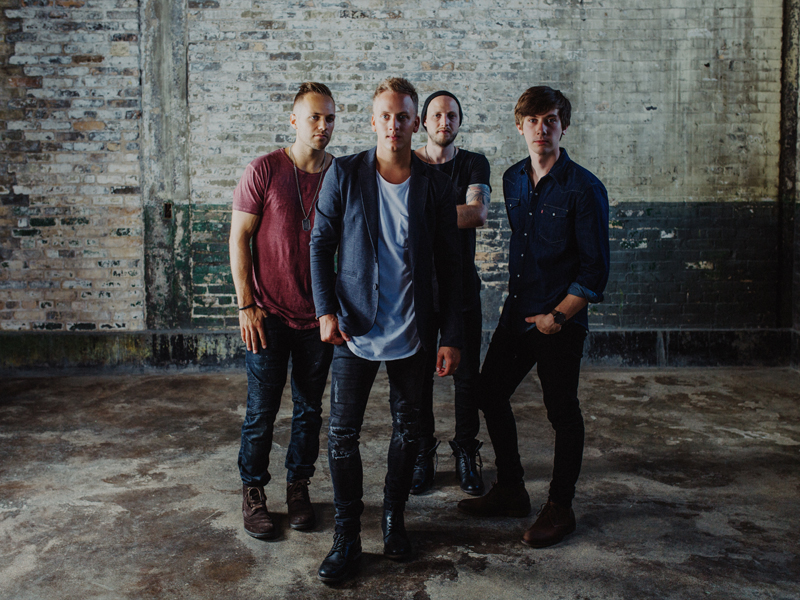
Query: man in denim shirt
pixel 558 264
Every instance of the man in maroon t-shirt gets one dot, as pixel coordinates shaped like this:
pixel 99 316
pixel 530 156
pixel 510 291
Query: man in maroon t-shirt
pixel 274 208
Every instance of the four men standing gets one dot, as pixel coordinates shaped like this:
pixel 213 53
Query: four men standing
pixel 385 266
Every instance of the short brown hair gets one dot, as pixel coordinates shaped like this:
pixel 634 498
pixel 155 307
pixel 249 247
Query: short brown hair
pixel 312 87
pixel 539 100
pixel 398 85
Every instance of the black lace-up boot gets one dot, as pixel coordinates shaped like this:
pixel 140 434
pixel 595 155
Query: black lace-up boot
pixel 342 560
pixel 425 467
pixel 469 468
pixel 396 544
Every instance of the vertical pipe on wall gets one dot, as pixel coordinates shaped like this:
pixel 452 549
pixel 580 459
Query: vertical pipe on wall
pixel 787 185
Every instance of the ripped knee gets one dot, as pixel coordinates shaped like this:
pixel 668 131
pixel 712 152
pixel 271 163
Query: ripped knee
pixel 406 427
pixel 342 442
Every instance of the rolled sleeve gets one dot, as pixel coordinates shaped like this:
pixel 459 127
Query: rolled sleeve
pixel 576 289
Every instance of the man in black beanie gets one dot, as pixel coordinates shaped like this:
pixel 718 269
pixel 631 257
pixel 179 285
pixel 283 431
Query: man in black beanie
pixel 442 117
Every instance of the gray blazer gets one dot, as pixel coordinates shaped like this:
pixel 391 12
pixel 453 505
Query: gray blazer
pixel 347 219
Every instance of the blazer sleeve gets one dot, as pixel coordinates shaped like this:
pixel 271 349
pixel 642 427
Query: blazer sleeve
pixel 324 242
pixel 447 262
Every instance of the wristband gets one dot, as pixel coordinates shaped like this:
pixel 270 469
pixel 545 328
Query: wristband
pixel 248 306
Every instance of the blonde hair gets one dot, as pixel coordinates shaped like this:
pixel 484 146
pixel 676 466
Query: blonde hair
pixel 398 85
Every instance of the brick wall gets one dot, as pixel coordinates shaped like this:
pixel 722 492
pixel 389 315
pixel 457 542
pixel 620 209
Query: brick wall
pixel 654 90
pixel 70 217
pixel 676 107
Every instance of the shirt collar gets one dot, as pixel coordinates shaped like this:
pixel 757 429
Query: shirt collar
pixel 556 171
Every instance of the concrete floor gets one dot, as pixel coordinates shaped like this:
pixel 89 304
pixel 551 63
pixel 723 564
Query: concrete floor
pixel 126 486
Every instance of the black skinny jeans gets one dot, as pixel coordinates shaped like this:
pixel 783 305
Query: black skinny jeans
pixel 558 359
pixel 466 381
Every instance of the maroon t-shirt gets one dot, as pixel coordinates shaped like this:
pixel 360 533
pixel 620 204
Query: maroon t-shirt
pixel 281 258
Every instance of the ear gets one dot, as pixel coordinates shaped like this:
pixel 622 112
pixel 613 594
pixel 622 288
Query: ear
pixel 563 132
pixel 372 122
pixel 519 128
pixel 293 120
pixel 416 124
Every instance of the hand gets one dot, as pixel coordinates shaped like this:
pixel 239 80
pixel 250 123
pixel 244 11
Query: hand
pixel 545 323
pixel 447 360
pixel 251 324
pixel 329 330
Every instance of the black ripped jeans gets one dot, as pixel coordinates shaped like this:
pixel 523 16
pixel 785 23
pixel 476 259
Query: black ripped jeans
pixel 351 381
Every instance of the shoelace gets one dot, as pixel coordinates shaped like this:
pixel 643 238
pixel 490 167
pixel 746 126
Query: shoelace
pixel 299 492
pixel 465 459
pixel 254 498
pixel 339 543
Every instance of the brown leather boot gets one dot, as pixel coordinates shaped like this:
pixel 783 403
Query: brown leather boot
pixel 501 501
pixel 257 520
pixel 553 524
pixel 301 513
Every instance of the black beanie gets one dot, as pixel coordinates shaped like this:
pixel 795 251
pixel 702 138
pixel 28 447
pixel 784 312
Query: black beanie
pixel 436 95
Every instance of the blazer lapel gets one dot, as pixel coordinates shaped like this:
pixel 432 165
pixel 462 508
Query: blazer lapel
pixel 369 196
pixel 417 196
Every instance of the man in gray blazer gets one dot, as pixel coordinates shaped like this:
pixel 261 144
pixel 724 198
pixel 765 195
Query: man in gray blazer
pixel 392 219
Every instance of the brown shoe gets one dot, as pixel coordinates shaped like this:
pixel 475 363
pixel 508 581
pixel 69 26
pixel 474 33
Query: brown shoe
pixel 500 501
pixel 553 524
pixel 301 513
pixel 257 520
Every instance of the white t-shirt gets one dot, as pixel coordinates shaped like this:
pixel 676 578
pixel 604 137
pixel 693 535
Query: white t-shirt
pixel 394 334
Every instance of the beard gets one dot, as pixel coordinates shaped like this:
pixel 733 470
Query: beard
pixel 443 138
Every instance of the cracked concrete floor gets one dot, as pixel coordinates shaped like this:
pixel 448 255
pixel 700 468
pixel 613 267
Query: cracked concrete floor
pixel 126 486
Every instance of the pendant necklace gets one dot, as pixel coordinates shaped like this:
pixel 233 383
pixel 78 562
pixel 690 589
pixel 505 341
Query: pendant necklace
pixel 452 169
pixel 306 215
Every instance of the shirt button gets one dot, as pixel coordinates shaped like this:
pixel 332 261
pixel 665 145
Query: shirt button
pixel 376 286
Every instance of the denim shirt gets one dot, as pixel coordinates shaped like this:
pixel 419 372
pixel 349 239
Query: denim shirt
pixel 559 240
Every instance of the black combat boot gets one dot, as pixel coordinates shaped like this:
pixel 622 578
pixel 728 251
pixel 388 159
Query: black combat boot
pixel 469 468
pixel 396 544
pixel 425 467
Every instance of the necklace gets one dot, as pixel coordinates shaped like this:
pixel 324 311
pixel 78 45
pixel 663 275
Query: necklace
pixel 306 215
pixel 452 169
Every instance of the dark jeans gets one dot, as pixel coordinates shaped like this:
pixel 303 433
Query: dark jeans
pixel 266 376
pixel 465 379
pixel 558 360
pixel 351 380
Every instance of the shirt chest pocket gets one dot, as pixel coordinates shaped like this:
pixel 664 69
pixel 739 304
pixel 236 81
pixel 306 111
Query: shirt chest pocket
pixel 554 223
pixel 516 218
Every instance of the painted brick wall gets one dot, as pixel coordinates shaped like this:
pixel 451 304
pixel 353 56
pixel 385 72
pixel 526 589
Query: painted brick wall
pixel 675 107
pixel 70 217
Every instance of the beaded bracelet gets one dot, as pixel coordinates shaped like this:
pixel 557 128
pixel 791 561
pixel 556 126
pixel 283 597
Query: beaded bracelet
pixel 248 306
